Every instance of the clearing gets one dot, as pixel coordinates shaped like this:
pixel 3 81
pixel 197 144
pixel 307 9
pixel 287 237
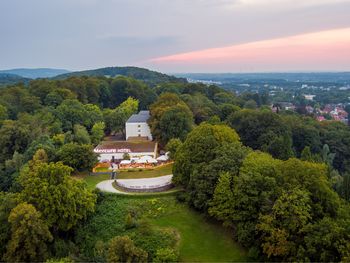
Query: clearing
pixel 198 239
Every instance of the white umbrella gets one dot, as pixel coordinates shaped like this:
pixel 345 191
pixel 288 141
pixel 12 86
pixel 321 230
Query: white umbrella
pixel 163 158
pixel 152 160
pixel 146 158
pixel 141 161
pixel 125 162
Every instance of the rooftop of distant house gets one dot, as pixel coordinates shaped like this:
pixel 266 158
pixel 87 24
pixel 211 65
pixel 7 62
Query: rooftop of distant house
pixel 142 116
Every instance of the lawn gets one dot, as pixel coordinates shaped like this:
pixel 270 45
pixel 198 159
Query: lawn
pixel 197 239
pixel 136 174
pixel 201 240
pixel 92 180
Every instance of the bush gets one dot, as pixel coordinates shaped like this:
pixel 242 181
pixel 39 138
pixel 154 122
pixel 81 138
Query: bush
pixel 166 255
pixel 181 196
pixel 130 222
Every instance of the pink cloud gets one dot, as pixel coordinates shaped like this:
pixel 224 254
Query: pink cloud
pixel 326 50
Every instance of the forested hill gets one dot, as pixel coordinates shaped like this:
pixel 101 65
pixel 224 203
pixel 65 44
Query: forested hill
pixel 150 77
pixel 34 73
pixel 10 79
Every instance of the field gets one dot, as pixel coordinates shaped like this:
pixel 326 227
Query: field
pixel 173 225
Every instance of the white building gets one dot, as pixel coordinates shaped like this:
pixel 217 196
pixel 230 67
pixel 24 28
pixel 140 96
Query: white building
pixel 110 150
pixel 137 126
pixel 138 141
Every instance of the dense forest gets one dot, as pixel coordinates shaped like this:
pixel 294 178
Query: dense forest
pixel 280 182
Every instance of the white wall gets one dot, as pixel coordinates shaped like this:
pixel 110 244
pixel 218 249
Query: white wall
pixel 108 156
pixel 138 129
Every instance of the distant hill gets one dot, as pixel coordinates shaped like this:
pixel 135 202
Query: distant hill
pixel 334 77
pixel 150 77
pixel 34 73
pixel 10 79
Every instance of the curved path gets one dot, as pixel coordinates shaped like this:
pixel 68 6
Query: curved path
pixel 106 186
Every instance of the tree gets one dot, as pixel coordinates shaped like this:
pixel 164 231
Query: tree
pixel 29 235
pixel 71 112
pixel 122 249
pixel 250 104
pixel 8 201
pixel 201 147
pixel 222 202
pixel 176 122
pixel 79 157
pixel 3 114
pixel 97 132
pixel 346 187
pixel 81 135
pixel 172 147
pixel 115 119
pixel 262 130
pixel 62 200
pixel 306 154
pixel 327 156
pixel 170 118
pixel 282 229
pixel 93 115
pixel 14 136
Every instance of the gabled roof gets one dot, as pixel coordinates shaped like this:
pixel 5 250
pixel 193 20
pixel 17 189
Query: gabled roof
pixel 142 116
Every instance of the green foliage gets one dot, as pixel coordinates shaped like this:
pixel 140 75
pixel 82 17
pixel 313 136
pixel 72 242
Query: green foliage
pixel 97 132
pixel 263 130
pixel 250 104
pixel 129 221
pixel 14 136
pixel 170 118
pixel 291 212
pixel 274 204
pixel 166 255
pixel 204 146
pixel 122 249
pixel 29 235
pixel 126 156
pixel 79 157
pixel 115 119
pixel 3 114
pixel 62 200
pixel 8 201
pixel 172 146
pixel 81 135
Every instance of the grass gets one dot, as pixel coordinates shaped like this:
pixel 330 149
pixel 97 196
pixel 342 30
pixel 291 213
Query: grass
pixel 102 169
pixel 156 172
pixel 197 239
pixel 201 241
pixel 91 180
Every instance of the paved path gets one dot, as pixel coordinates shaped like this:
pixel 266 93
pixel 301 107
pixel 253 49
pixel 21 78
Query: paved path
pixel 106 186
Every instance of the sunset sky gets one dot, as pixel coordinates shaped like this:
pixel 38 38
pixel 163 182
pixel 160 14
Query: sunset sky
pixel 177 35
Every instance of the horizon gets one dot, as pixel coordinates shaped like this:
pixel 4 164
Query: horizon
pixel 184 73
pixel 200 36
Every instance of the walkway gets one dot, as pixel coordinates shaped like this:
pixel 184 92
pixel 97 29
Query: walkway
pixel 106 186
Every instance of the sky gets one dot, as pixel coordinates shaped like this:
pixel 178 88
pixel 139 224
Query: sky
pixel 177 35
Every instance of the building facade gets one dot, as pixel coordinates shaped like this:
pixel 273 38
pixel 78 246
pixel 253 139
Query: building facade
pixel 137 126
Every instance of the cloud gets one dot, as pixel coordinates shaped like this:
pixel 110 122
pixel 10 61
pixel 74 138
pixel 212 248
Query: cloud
pixel 318 50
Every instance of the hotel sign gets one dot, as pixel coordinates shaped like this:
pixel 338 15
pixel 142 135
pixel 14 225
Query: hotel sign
pixel 122 150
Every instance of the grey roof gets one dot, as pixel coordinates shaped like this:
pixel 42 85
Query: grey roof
pixel 142 116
